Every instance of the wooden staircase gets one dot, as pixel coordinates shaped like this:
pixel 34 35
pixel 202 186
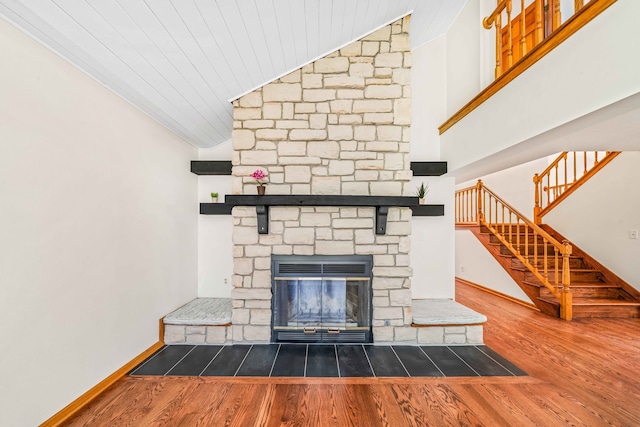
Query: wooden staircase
pixel 596 291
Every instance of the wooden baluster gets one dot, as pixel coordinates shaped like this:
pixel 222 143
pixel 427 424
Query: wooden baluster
pixel 575 168
pixel 536 196
pixel 538 34
pixel 595 161
pixel 479 201
pixel 566 299
pixel 546 261
pixel 556 19
pixel 555 187
pixel 468 215
pixel 526 240
pixel 464 207
pixel 509 37
pixel 564 188
pixel 585 162
pixel 577 5
pixel 556 268
pixel 535 248
pixel 548 189
pixel 523 39
pixel 498 45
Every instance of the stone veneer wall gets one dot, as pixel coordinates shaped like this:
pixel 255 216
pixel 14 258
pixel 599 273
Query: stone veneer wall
pixel 339 125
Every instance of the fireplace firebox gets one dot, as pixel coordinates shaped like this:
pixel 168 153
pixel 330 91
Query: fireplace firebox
pixel 321 298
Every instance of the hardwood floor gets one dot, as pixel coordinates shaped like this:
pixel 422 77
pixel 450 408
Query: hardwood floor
pixel 582 373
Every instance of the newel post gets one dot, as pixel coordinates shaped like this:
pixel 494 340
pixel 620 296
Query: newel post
pixel 566 299
pixel 479 215
pixel 536 207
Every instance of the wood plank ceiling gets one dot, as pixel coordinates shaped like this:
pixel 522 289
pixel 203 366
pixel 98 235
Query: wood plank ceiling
pixel 182 61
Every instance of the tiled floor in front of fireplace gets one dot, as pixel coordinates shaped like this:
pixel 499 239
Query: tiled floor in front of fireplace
pixel 322 360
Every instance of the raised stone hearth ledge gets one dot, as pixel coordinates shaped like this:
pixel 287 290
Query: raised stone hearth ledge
pixel 202 311
pixel 439 322
pixel 446 322
pixel 201 321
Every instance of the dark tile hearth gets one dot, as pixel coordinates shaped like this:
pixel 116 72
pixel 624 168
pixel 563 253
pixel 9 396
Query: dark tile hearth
pixel 326 360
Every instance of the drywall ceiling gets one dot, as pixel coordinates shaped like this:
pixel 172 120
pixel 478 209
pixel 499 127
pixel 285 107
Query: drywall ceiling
pixel 182 61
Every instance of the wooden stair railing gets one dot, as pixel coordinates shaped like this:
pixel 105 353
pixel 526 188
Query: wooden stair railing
pixel 565 175
pixel 538 251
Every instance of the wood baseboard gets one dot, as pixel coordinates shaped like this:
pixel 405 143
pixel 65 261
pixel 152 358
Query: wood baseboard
pixel 71 409
pixel 498 294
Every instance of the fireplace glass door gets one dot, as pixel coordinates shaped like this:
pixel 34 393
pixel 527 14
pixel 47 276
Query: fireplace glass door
pixel 321 298
pixel 332 304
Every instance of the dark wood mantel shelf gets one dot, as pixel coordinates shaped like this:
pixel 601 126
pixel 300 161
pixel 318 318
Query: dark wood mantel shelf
pixel 262 203
pixel 320 200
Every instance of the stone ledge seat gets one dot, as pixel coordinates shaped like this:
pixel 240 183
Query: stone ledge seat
pixel 445 322
pixel 444 312
pixel 202 311
pixel 201 321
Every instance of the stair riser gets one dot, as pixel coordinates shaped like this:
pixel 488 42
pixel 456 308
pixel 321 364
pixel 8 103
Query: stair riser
pixel 521 229
pixel 573 263
pixel 530 248
pixel 494 239
pixel 586 292
pixel 606 311
pixel 576 276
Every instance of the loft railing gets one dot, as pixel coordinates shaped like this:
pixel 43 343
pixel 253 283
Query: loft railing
pixel 545 257
pixel 519 35
pixel 535 47
pixel 565 175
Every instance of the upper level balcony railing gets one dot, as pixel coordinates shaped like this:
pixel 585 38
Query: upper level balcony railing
pixel 526 30
pixel 526 38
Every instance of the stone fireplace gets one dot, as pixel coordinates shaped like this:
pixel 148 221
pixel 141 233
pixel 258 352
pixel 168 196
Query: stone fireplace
pixel 337 126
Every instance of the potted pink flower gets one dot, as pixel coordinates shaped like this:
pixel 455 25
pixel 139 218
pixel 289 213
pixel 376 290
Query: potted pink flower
pixel 260 176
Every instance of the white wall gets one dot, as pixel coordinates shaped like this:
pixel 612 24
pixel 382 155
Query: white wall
pixel 432 244
pixel 215 249
pixel 432 238
pixel 429 98
pixel 598 216
pixel 463 57
pixel 475 264
pixel 98 230
pixel 589 71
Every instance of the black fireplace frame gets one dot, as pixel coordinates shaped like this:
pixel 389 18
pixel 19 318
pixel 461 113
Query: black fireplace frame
pixel 323 266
